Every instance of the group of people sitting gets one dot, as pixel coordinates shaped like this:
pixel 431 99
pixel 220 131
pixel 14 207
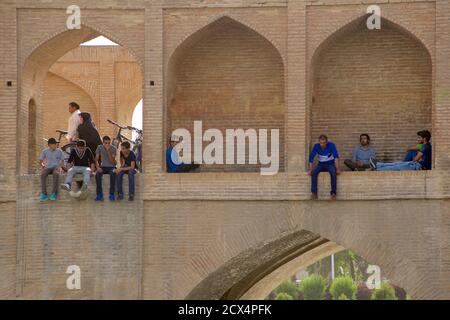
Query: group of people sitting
pixel 84 133
pixel 418 157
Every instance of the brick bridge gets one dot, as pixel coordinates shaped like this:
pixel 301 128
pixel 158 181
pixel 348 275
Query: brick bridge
pixel 303 66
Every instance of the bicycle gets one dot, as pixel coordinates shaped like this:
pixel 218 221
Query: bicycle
pixel 137 143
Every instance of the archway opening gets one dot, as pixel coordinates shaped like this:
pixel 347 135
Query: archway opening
pixel 377 82
pixel 341 276
pixel 229 77
pixel 83 66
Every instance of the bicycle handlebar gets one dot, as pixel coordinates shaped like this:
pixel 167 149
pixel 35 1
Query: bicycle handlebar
pixel 116 124
pixel 134 129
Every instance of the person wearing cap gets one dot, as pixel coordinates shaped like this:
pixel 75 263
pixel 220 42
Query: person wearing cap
pixel 173 161
pixel 51 162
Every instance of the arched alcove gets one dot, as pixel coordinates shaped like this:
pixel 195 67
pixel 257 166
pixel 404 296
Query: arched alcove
pixel 228 76
pixel 371 81
pixel 50 89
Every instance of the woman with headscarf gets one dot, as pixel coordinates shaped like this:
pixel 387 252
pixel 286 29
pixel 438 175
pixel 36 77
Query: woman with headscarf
pixel 88 132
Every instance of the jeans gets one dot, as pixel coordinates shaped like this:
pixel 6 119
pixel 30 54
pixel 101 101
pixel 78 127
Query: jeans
pixel 410 156
pixel 85 171
pixel 399 166
pixel 112 180
pixel 44 175
pixel 130 174
pixel 331 168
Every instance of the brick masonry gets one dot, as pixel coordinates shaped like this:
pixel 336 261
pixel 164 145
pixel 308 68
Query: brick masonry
pixel 182 228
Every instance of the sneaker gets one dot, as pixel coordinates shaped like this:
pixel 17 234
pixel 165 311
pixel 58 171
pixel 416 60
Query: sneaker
pixel 66 186
pixel 333 197
pixel 112 197
pixel 131 197
pixel 43 197
pixel 314 196
pixel 373 163
pixel 84 187
pixel 99 197
pixel 120 196
pixel 53 196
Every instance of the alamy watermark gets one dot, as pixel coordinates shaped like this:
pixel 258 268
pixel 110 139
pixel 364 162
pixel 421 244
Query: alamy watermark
pixel 230 150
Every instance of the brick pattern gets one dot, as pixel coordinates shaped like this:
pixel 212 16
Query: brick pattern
pixel 160 248
pixel 372 82
pixel 224 96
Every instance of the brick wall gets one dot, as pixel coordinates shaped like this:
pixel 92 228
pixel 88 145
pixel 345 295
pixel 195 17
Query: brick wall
pixel 375 82
pixel 229 77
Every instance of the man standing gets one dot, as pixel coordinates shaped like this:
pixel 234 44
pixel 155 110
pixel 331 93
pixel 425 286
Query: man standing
pixel 422 161
pixel 51 160
pixel 328 162
pixel 74 122
pixel 81 161
pixel 105 161
pixel 361 155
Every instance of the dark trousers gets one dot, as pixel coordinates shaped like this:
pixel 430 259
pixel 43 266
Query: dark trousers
pixel 112 180
pixel 44 174
pixel 130 175
pixel 187 167
pixel 331 168
pixel 350 164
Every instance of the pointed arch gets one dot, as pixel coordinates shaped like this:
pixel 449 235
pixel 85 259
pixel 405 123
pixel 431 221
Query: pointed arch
pixel 371 81
pixel 229 76
pixel 34 69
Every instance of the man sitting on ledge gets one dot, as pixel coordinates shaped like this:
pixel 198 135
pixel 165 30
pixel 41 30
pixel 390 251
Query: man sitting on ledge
pixel 81 161
pixel 422 161
pixel 361 155
pixel 173 162
pixel 328 162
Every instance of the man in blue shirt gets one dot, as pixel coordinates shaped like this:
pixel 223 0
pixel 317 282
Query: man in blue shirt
pixel 173 162
pixel 328 162
pixel 361 155
pixel 422 161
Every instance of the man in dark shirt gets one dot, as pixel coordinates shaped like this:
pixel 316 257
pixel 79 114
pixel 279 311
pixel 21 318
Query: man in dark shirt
pixel 127 167
pixel 422 161
pixel 81 161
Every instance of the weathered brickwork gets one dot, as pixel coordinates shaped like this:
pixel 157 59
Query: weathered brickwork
pixel 303 66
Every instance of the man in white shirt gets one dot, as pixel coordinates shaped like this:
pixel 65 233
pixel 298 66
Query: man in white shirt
pixel 74 122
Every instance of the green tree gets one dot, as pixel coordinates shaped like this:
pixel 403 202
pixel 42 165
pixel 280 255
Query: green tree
pixel 386 292
pixel 343 297
pixel 343 286
pixel 313 287
pixel 287 287
pixel 284 296
pixel 346 263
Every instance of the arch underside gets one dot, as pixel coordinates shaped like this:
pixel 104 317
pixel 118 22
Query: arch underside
pixel 254 273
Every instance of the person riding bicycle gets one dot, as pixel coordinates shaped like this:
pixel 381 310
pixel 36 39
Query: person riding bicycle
pixel 74 122
pixel 88 132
